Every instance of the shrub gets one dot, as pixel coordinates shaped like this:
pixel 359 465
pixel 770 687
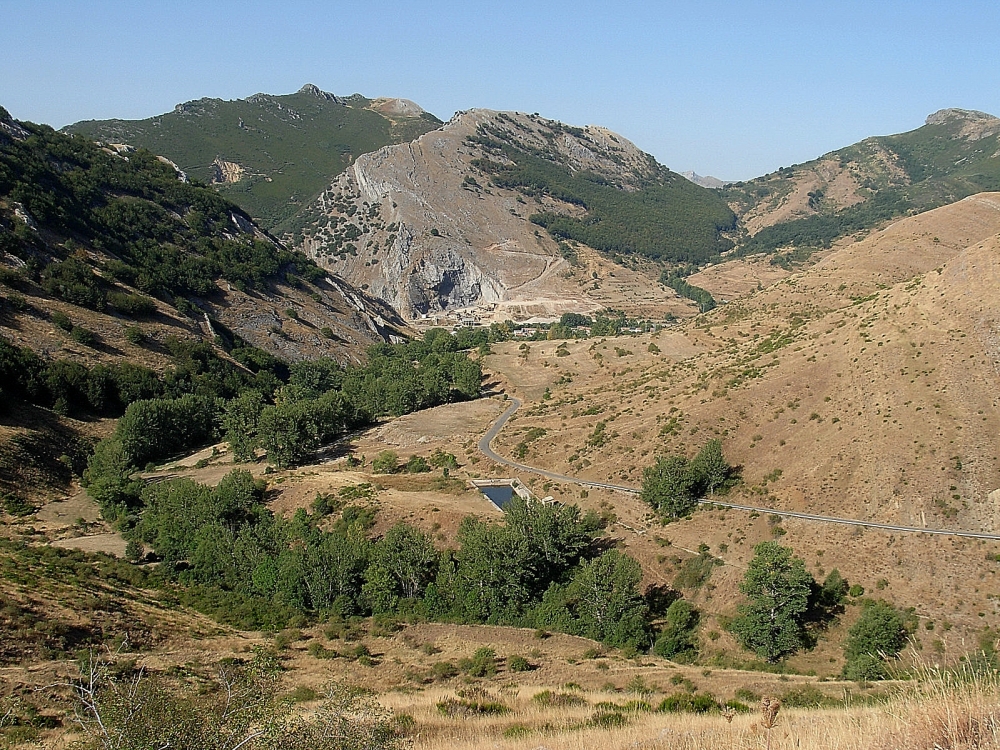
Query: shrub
pixel 550 699
pixel 518 664
pixel 688 703
pixel 134 551
pixel 61 320
pixel 134 335
pixel 416 465
pixel 83 336
pixel 482 664
pixel 386 462
pixel 133 305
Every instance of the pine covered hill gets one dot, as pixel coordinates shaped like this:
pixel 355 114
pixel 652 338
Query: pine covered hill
pixel 120 279
pixel 269 154
pixel 855 189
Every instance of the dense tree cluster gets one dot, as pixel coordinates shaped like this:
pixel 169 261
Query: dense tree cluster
pixel 668 218
pixel 680 285
pixel 673 485
pixel 540 568
pixel 106 390
pixel 289 411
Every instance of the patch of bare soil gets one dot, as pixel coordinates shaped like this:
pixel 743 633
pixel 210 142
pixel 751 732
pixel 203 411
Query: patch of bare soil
pixel 422 431
pixel 109 543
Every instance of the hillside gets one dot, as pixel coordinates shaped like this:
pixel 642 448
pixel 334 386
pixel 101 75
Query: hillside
pixel 116 272
pixel 860 187
pixel 864 387
pixel 269 154
pixel 457 218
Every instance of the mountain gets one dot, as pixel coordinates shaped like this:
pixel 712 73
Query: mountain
pixel 456 218
pixel 705 181
pixel 269 154
pixel 854 189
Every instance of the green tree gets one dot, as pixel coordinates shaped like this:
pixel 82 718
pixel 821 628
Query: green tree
pixel 667 486
pixel 777 587
pixel 289 432
pixel 241 420
pixel 709 469
pixel 403 563
pixel 607 603
pixel 677 638
pixel 879 634
pixel 108 478
pixel 334 569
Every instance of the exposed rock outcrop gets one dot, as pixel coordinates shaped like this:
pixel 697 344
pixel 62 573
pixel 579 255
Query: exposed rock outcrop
pixel 419 226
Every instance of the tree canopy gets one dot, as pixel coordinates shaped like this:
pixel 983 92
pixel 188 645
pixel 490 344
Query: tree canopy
pixel 777 588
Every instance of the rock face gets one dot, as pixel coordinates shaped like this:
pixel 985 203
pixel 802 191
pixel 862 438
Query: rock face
pixel 419 226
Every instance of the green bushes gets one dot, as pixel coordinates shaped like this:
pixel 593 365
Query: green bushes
pixel 677 637
pixel 483 663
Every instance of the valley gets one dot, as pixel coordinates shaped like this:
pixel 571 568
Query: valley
pixel 223 449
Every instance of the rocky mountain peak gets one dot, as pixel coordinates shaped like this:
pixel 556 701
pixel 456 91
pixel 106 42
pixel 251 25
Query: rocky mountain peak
pixel 9 127
pixel 972 125
pixel 314 90
pixel 944 115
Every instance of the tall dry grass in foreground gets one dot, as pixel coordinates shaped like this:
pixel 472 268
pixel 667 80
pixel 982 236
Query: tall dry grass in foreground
pixel 940 711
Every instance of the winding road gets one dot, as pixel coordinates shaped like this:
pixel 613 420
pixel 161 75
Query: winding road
pixel 485 446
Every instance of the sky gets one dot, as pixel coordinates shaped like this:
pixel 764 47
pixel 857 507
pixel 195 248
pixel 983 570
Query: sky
pixel 724 88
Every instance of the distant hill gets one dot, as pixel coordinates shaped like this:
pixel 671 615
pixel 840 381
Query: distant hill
pixel 269 154
pixel 706 181
pixel 860 187
pixel 490 209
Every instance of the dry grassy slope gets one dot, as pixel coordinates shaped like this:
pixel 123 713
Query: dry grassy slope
pixel 429 242
pixel 871 381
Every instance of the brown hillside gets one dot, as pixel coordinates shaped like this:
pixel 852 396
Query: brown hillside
pixel 866 387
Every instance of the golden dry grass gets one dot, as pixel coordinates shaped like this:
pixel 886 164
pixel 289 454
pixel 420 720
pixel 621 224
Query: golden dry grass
pixel 940 712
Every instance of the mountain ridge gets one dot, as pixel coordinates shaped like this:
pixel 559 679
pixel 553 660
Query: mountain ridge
pixel 269 153
pixel 440 221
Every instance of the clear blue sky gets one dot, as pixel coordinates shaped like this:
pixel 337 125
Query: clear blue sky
pixel 732 89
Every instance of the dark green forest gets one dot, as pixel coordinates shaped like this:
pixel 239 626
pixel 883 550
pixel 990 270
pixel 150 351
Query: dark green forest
pixel 292 146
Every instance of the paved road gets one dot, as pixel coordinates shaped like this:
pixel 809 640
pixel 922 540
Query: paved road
pixel 515 403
